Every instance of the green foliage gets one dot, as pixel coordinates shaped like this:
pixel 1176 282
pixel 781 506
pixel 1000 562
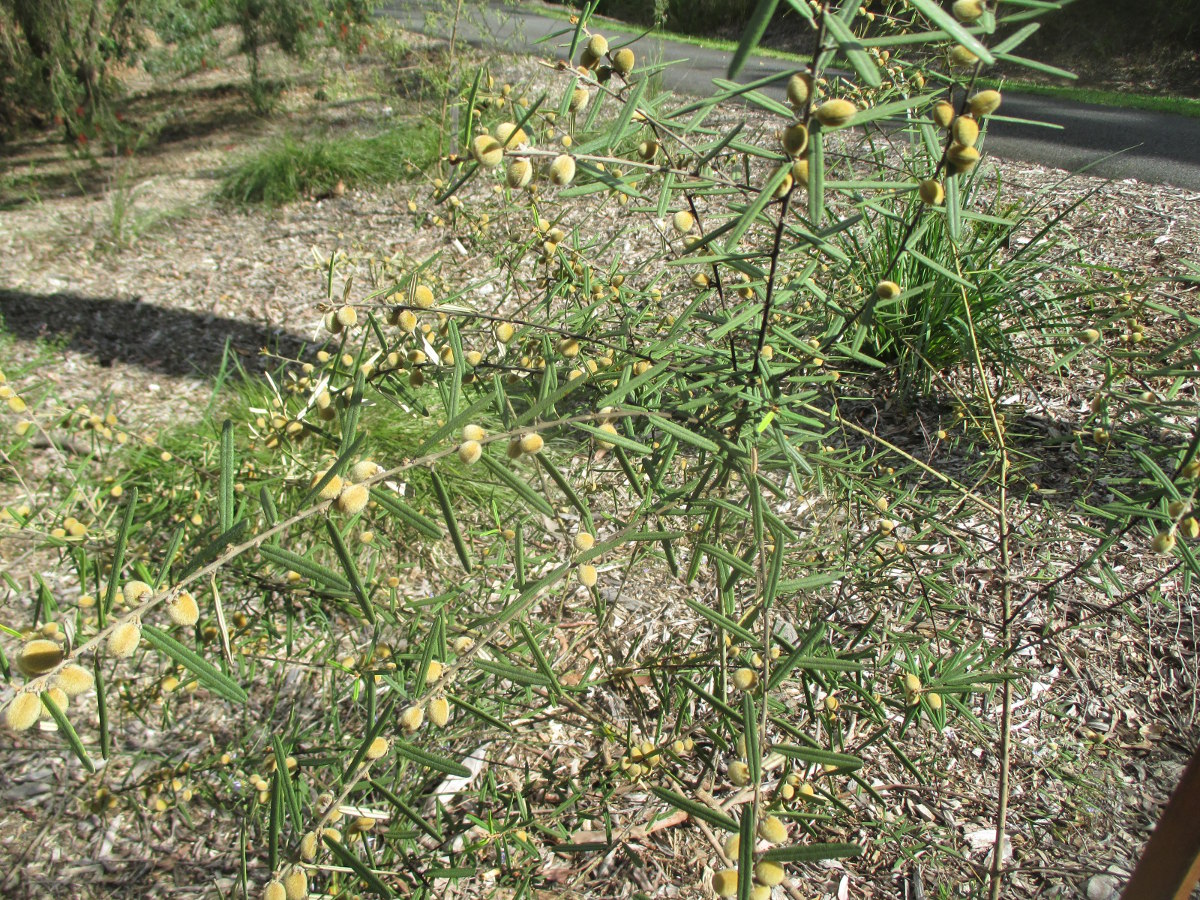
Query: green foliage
pixel 640 521
pixel 294 167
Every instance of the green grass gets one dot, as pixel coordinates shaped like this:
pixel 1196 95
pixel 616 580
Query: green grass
pixel 293 167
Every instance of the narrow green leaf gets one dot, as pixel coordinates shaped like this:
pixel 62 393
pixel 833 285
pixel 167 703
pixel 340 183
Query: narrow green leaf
pixel 207 674
pixel 118 560
pixel 512 673
pixel 68 732
pixel 944 20
pixel 407 811
pixel 356 585
pixel 286 559
pixel 750 730
pixel 751 213
pixel 844 761
pixel 443 499
pixel 228 474
pixel 852 50
pixel 816 175
pixel 518 485
pixel 291 801
pixel 564 485
pixel 723 622
pixel 543 664
pixel 369 878
pixel 429 760
pixel 752 34
pixel 397 507
pixel 811 852
pixel 673 428
pixel 746 842
pixel 696 810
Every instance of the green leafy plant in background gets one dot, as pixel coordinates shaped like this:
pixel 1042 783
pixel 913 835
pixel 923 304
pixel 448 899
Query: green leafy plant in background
pixel 645 507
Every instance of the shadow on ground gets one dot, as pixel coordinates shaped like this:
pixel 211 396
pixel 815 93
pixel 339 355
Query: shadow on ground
pixel 173 342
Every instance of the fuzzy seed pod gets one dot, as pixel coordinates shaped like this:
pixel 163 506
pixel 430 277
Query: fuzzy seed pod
pixel 562 170
pixel 473 433
pixel 532 443
pixel 961 56
pixel 332 325
pixel 623 62
pixel 434 671
pixel 423 296
pixel 598 45
pixel 587 575
pixel 795 139
pixel 984 103
pixel 439 712
pixel 967 10
pixel 504 332
pixel 768 873
pixel 37 657
pixel 683 221
pixel 308 846
pixel 519 174
pixel 470 451
pixel 962 158
pixel 183 610
pixel 739 773
pixel 379 748
pixel 487 151
pixel 136 591
pixel 934 700
pixel 364 470
pixel 353 499
pixel 74 680
pixel 784 186
pixel 647 150
pixel 799 89
pixel 887 290
pixel 407 320
pixel 579 99
pixel 584 541
pixel 745 679
pixel 942 114
pixel 1089 335
pixel 123 640
pixel 733 846
pixel 1164 542
pixel 965 130
pixel 295 884
pixel 800 174
pixel 347 316
pixel 835 113
pixel 332 488
pixel 23 711
pixel 760 892
pixel 725 883
pixel 772 830
pixel 932 193
pixel 411 718
pixel 509 135
pixel 274 890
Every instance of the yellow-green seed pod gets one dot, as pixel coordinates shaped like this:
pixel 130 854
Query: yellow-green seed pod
pixel 532 443
pixel 725 883
pixel 932 193
pixel 59 698
pixel 332 325
pixel 295 884
pixel 597 45
pixel 760 892
pixel 623 61
pixel 984 103
pixel 784 186
pixel 744 679
pixel 967 10
pixel 836 113
pixel 942 114
pixel 683 221
pixel 962 158
pixel 961 56
pixel 434 671
pixel 470 452
pixel 768 873
pixel 347 316
pixel 23 711
pixel 411 718
pixel 647 150
pixel 1090 335
pixel 308 846
pixel 123 640
pixel 1177 508
pixel 733 846
pixel 1164 542
pixel 136 591
pixel 439 712
pixel 587 575
pixel 487 150
pixel 965 130
pixel 274 890
pixel 423 296
pixel 37 657
pixel 74 680
pixel 772 830
pixel 407 320
pixel 562 170
pixel 183 610
pixel 353 499
pixel 473 433
pixel 364 470
pixel 795 139
pixel 739 773
pixel 379 748
pixel 799 89
pixel 519 174
pixel 504 332
pixel 934 700
pixel 332 488
pixel 800 174
pixel 579 99
pixel 887 290
pixel 584 541
pixel 1190 528
pixel 509 135
pixel 912 686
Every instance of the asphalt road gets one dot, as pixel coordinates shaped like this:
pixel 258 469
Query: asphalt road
pixel 1150 146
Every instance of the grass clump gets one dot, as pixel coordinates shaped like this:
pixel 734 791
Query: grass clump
pixel 294 167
